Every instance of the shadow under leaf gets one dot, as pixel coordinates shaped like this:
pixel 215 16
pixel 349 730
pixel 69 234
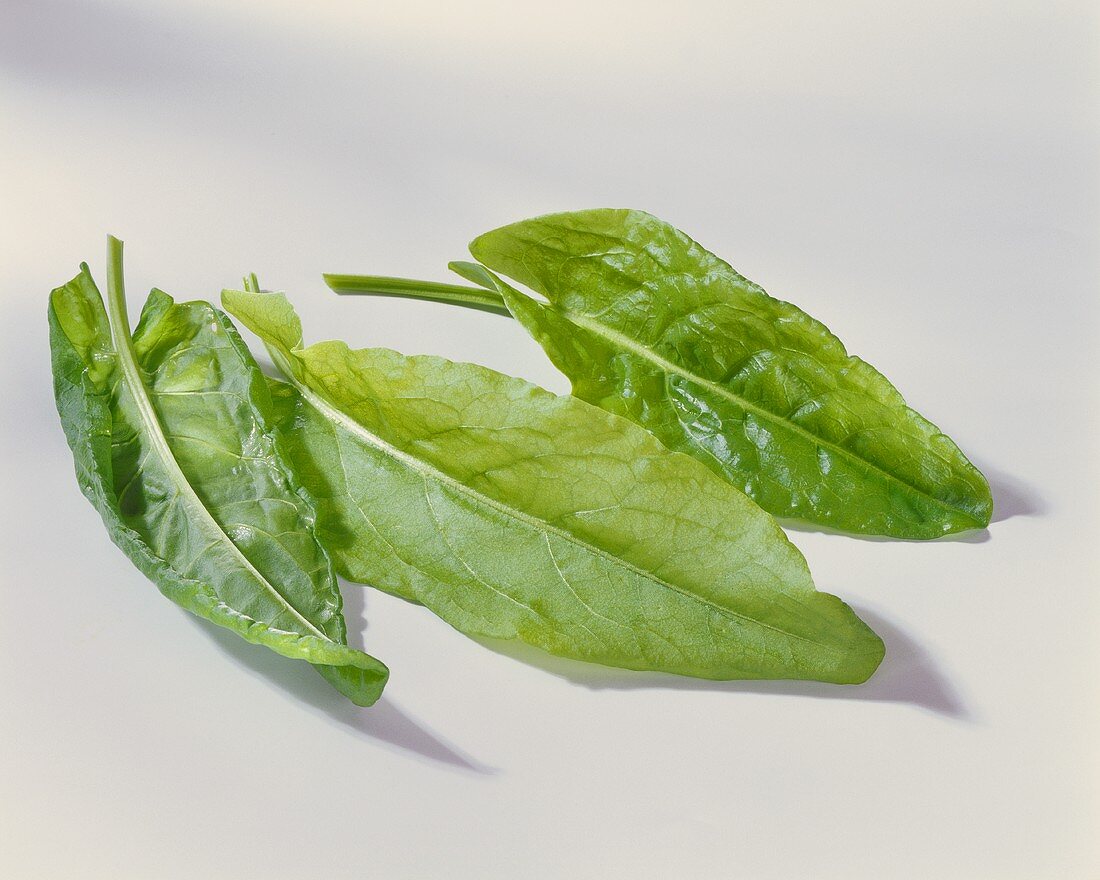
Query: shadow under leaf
pixel 908 675
pixel 1012 496
pixel 382 722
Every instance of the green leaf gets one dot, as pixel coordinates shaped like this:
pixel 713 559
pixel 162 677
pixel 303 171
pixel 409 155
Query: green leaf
pixel 513 513
pixel 175 445
pixel 649 325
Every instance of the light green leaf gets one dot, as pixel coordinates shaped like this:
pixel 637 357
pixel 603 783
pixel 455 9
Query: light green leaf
pixel 173 437
pixel 513 513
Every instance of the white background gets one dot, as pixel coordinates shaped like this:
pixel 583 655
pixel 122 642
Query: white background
pixel 922 176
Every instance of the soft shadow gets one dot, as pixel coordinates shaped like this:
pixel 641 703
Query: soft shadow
pixel 907 675
pixel 170 64
pixel 355 613
pixel 382 722
pixel 1012 496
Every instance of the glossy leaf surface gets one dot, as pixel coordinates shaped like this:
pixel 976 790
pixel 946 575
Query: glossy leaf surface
pixel 513 513
pixel 174 441
pixel 648 324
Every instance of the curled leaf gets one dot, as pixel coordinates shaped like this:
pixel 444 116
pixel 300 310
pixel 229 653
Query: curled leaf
pixel 175 445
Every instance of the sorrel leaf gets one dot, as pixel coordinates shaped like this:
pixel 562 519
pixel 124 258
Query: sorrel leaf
pixel 513 513
pixel 649 325
pixel 173 436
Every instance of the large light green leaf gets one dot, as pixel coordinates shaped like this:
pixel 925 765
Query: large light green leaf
pixel 649 325
pixel 173 436
pixel 513 513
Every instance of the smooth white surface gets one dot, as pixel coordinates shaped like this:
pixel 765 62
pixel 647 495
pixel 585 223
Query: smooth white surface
pixel 921 176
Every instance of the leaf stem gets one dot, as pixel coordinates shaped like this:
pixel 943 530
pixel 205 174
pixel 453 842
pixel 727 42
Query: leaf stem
pixel 409 288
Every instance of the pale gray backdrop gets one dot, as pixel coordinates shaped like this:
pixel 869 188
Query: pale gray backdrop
pixel 922 176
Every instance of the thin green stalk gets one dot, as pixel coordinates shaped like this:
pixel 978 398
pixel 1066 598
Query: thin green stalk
pixel 408 288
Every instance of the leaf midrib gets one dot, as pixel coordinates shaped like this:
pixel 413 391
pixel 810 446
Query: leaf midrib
pixel 624 341
pixel 124 347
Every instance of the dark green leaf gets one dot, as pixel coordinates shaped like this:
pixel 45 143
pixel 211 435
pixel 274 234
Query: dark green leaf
pixel 649 325
pixel 174 441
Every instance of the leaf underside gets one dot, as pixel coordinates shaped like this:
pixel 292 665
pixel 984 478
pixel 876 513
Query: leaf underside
pixel 513 513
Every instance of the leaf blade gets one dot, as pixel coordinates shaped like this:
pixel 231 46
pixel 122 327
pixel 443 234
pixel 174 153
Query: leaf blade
pixel 513 513
pixel 139 449
pixel 648 324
